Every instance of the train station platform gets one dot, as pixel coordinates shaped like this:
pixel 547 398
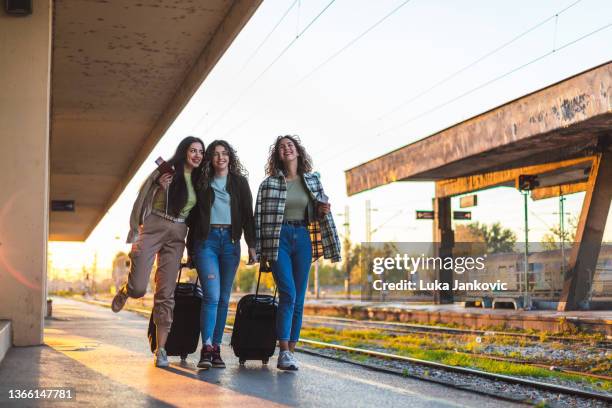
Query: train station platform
pixel 424 312
pixel 104 359
pixel 552 321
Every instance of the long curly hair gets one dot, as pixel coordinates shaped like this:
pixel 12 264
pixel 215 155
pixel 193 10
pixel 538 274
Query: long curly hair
pixel 177 192
pixel 275 163
pixel 234 166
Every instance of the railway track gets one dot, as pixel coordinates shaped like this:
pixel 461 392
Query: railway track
pixel 396 328
pixel 462 370
pixel 356 324
pixel 413 328
pixel 531 363
pixel 455 369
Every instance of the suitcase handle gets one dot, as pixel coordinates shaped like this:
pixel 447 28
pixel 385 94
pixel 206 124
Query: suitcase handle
pixel 257 290
pixel 184 265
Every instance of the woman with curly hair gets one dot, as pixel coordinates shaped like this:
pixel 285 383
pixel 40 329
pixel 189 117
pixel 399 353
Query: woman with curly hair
pixel 293 227
pixel 224 210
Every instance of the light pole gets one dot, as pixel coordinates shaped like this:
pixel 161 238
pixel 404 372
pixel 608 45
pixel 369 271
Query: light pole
pixel 562 231
pixel 526 299
pixel 346 247
pixel 368 247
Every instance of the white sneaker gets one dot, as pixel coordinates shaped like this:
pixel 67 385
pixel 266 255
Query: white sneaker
pixel 286 361
pixel 161 358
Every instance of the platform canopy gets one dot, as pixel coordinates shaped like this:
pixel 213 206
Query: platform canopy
pixel 560 122
pixel 121 73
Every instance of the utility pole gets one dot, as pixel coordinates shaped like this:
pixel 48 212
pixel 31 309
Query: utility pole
pixel 93 274
pixel 368 250
pixel 368 221
pixel 562 215
pixel 316 279
pixel 562 230
pixel 346 249
pixel 526 300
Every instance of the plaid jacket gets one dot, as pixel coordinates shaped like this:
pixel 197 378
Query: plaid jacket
pixel 269 213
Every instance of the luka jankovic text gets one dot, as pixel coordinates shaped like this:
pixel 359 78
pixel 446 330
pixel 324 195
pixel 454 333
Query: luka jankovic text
pixel 437 285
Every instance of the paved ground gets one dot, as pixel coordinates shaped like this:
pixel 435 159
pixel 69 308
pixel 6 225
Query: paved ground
pixel 104 358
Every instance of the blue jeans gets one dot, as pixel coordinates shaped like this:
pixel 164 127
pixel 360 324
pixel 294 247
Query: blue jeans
pixel 291 276
pixel 216 260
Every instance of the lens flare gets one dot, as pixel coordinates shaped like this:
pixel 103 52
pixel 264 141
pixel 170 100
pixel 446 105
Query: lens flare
pixel 4 258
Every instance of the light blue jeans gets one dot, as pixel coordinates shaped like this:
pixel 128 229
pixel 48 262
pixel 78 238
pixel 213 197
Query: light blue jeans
pixel 291 276
pixel 216 260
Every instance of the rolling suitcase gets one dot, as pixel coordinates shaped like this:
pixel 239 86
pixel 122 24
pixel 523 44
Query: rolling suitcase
pixel 185 330
pixel 254 333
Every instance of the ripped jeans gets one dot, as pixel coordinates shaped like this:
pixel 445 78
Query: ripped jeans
pixel 216 260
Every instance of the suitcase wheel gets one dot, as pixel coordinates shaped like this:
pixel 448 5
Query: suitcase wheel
pixel 183 357
pixel 264 361
pixel 241 361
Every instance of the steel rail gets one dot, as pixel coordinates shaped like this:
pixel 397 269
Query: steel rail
pixel 450 330
pixel 462 370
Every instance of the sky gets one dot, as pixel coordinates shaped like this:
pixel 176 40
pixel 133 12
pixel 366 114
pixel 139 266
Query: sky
pixel 355 85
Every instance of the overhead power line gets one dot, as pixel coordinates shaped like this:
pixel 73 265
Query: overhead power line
pixel 353 41
pixel 472 64
pixel 472 90
pixel 253 54
pixel 484 84
pixel 330 58
pixel 477 61
pixel 271 64
pixel 267 37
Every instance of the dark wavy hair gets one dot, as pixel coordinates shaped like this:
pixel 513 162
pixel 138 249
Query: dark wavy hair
pixel 177 193
pixel 234 166
pixel 275 163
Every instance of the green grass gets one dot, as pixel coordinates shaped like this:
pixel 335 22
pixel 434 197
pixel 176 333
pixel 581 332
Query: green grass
pixel 425 349
pixel 567 329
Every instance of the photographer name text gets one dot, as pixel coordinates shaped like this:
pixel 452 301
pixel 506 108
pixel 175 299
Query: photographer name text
pixel 379 284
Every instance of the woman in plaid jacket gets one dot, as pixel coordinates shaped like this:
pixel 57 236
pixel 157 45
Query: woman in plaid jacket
pixel 293 227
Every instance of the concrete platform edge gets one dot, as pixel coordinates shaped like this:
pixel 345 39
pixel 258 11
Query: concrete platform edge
pixel 474 320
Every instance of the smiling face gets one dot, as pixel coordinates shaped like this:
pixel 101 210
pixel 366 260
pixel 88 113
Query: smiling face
pixel 220 159
pixel 195 153
pixel 287 151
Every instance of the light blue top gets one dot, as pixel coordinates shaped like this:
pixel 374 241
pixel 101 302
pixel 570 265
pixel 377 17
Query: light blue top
pixel 220 213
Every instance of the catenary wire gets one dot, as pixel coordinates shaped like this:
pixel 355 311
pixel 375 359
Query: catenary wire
pixel 472 64
pixel 270 65
pixel 472 90
pixel 352 42
pixel 267 37
pixel 476 62
pixel 253 54
pixel 332 57
pixel 486 83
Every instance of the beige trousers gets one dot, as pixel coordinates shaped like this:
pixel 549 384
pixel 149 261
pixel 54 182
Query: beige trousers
pixel 166 239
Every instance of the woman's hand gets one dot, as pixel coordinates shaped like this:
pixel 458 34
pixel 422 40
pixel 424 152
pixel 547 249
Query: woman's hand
pixel 164 180
pixel 252 256
pixel 323 209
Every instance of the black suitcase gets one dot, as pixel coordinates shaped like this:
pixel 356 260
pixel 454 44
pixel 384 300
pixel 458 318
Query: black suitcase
pixel 254 332
pixel 185 330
